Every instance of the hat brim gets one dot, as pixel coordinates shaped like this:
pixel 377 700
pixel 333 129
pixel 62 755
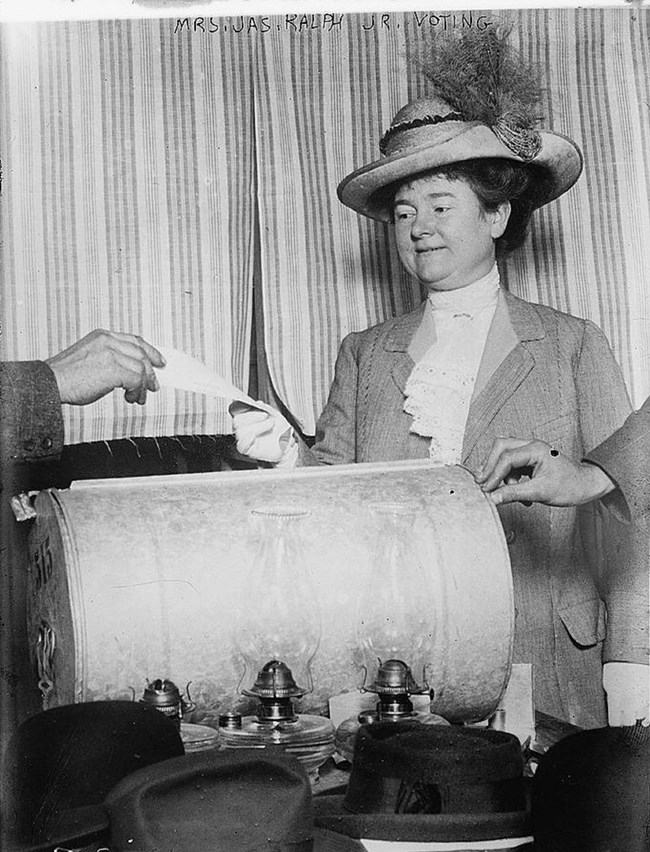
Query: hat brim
pixel 559 156
pixel 442 828
pixel 77 827
pixel 332 841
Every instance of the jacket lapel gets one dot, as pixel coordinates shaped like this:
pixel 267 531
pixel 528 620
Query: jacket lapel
pixel 398 342
pixel 501 340
pixel 507 357
pixel 510 372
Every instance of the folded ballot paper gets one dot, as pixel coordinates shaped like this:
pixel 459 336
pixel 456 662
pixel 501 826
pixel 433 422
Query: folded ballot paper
pixel 183 372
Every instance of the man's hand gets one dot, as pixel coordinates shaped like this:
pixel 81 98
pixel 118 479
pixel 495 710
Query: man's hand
pixel 102 361
pixel 627 686
pixel 532 471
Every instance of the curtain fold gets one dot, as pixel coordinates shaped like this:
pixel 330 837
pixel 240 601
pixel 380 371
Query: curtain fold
pixel 127 204
pixel 320 101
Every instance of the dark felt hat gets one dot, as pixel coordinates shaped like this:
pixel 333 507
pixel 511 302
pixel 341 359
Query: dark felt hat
pixel 591 792
pixel 60 765
pixel 240 800
pixel 419 783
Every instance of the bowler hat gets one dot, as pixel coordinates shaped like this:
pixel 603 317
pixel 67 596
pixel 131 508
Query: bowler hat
pixel 61 763
pixel 419 783
pixel 591 792
pixel 240 800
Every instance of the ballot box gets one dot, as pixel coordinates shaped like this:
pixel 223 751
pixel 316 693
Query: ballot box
pixel 140 578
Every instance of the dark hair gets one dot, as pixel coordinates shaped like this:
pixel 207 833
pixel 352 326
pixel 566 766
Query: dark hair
pixel 495 181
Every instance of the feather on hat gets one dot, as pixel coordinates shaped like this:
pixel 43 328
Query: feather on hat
pixel 485 104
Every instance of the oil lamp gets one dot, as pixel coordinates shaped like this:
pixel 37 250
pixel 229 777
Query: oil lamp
pixel 165 696
pixel 396 619
pixel 278 635
pixel 396 613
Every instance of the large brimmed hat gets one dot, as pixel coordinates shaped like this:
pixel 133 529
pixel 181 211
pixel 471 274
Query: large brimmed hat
pixel 418 783
pixel 240 800
pixel 475 112
pixel 427 134
pixel 61 763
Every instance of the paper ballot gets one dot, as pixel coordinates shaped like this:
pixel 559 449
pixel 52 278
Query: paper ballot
pixel 183 372
pixel 186 373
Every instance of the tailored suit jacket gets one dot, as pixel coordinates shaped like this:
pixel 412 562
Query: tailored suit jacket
pixel 625 456
pixel 546 375
pixel 31 430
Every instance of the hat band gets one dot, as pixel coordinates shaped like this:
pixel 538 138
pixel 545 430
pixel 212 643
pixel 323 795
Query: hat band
pixel 525 142
pixel 415 123
pixel 371 794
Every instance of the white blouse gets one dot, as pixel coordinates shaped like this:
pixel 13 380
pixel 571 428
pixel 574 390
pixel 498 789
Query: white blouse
pixel 440 387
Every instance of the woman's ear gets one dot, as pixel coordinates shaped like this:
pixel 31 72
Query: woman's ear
pixel 500 218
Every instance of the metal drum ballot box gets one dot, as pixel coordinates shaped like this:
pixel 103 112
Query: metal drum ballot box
pixel 147 577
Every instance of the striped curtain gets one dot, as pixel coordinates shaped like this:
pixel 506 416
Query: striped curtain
pixel 320 100
pixel 589 253
pixel 128 204
pixel 141 160
pixel 324 98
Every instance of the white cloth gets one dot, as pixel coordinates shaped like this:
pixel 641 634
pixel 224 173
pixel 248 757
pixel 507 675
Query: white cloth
pixel 440 387
pixel 267 438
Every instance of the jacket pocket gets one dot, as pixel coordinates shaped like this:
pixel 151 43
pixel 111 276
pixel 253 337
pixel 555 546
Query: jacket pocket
pixel 585 621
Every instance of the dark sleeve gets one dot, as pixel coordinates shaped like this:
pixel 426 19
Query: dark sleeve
pixel 31 423
pixel 336 430
pixel 628 598
pixel 622 548
pixel 625 458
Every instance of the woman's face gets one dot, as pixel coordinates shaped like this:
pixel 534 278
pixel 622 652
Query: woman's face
pixel 444 237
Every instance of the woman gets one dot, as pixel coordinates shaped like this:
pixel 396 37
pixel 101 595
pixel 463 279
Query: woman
pixel 474 362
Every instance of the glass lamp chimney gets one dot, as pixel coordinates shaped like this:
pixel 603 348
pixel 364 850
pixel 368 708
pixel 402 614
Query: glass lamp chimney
pixel 396 611
pixel 280 626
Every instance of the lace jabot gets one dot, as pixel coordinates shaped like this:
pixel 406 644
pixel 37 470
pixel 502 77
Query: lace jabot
pixel 441 384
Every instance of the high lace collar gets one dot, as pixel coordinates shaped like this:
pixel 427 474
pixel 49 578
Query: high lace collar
pixel 470 299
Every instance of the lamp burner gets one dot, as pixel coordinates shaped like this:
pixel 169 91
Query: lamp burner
pixel 309 738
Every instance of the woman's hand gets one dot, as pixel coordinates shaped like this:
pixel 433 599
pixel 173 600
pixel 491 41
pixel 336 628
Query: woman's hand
pixel 532 471
pixel 263 434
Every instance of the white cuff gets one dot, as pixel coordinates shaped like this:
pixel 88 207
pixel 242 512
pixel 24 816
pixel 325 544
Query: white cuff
pixel 628 693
